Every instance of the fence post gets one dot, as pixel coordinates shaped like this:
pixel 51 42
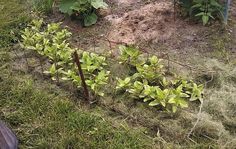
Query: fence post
pixel 226 13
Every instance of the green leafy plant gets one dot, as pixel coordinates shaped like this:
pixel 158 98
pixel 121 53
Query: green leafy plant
pixel 203 9
pixel 136 88
pixel 123 84
pixel 70 75
pixel 130 55
pixel 92 62
pixel 97 82
pixel 149 84
pixel 178 98
pixel 151 70
pixel 52 42
pixel 206 9
pixel 86 9
pixel 53 71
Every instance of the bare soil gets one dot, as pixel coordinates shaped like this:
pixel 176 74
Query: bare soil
pixel 153 22
pixel 144 23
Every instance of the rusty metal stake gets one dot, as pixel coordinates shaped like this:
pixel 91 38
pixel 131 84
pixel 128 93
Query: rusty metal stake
pixel 86 92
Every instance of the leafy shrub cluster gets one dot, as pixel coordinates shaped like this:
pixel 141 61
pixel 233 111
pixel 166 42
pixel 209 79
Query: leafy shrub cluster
pixel 52 42
pixel 150 84
pixel 85 9
pixel 202 9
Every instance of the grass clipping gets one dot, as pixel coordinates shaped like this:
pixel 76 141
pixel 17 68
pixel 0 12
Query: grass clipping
pixel 218 121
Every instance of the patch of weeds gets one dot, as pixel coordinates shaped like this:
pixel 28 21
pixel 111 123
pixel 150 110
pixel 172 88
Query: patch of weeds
pixel 13 16
pixel 43 6
pixel 219 106
pixel 221 44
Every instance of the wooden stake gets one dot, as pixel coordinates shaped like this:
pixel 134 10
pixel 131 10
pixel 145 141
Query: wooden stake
pixel 86 92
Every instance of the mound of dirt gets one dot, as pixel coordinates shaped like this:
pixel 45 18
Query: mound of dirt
pixel 152 22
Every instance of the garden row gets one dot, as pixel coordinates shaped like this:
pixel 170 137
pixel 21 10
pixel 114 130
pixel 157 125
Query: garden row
pixel 148 80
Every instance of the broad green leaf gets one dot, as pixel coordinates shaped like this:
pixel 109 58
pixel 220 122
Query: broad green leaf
pixel 65 6
pixel 163 103
pixel 184 95
pixel 154 103
pixel 147 99
pixel 172 100
pixel 90 19
pixel 183 103
pixel 127 80
pixel 164 82
pixel 196 6
pixel 200 14
pixel 174 109
pixel 99 4
pixel 205 19
pixel 101 94
pixel 153 60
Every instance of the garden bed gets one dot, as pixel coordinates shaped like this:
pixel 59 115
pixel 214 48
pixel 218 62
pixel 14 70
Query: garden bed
pixel 203 54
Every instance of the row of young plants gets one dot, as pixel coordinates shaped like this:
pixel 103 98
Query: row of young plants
pixel 148 81
pixel 51 41
pixel 205 10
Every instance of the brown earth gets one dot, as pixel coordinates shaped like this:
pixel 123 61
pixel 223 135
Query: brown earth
pixel 153 22
pixel 143 22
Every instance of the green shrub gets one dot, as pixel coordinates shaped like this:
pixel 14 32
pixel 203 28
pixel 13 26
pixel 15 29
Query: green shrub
pixel 52 42
pixel 85 9
pixel 202 9
pixel 150 84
